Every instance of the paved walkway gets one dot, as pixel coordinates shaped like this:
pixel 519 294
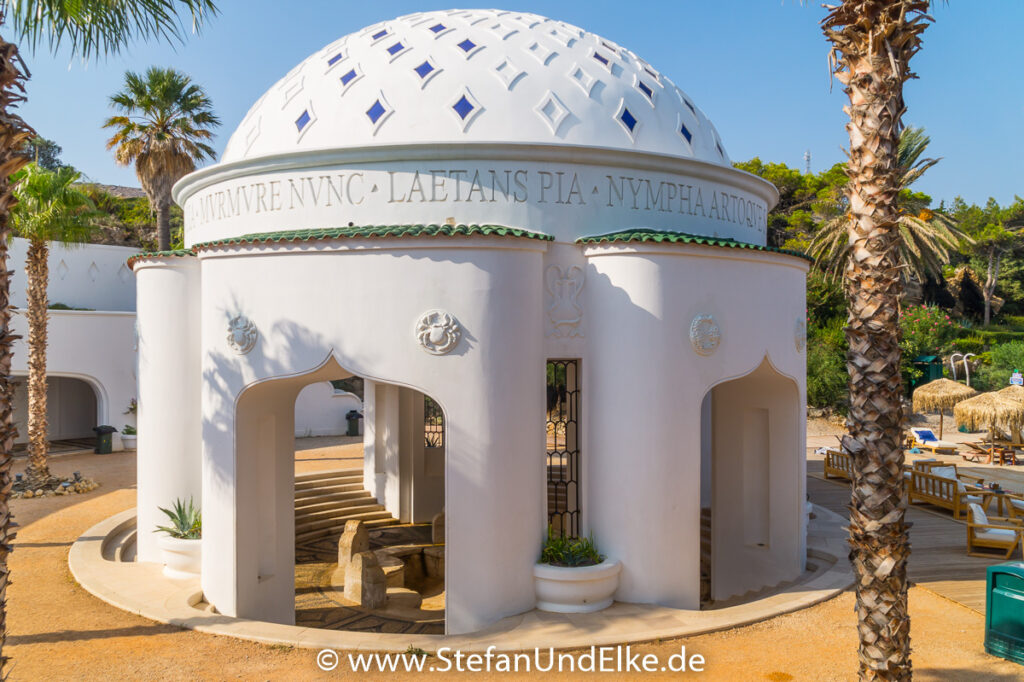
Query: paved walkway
pixel 938 557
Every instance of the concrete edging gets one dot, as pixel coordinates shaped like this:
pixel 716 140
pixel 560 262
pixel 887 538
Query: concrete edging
pixel 141 588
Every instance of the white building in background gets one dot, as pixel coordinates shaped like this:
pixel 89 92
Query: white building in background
pixel 446 204
pixel 90 358
pixel 92 349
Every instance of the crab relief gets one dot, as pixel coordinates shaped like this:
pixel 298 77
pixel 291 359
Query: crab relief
pixel 242 334
pixel 438 332
pixel 705 334
pixel 564 311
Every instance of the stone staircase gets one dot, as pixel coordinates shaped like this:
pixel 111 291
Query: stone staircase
pixel 325 500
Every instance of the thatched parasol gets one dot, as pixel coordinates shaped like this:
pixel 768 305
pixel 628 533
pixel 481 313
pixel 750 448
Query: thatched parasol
pixel 990 411
pixel 1013 392
pixel 941 395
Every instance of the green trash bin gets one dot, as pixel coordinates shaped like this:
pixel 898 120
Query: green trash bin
pixel 1004 611
pixel 353 418
pixel 104 439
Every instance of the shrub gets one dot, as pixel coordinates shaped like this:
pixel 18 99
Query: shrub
pixel 926 330
pixel 968 344
pixel 827 379
pixel 563 551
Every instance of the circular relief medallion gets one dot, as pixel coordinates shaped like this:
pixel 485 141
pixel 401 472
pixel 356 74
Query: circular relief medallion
pixel 242 334
pixel 438 332
pixel 705 334
pixel 801 335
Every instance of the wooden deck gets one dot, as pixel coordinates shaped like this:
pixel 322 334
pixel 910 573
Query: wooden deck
pixel 938 558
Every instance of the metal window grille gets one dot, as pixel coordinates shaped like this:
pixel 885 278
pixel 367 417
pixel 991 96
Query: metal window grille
pixel 433 424
pixel 563 449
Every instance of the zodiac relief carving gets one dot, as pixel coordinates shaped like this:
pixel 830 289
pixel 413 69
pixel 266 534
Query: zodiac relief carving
pixel 563 308
pixel 705 334
pixel 438 332
pixel 242 334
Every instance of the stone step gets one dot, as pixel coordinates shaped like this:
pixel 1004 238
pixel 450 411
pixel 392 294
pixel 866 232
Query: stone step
pixel 317 478
pixel 312 503
pixel 337 530
pixel 330 489
pixel 404 598
pixel 366 513
pixel 344 509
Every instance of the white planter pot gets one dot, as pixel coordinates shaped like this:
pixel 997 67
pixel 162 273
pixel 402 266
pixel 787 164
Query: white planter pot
pixel 182 558
pixel 129 442
pixel 576 589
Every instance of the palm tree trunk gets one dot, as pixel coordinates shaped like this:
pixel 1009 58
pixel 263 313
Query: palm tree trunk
pixel 38 271
pixel 872 43
pixel 13 134
pixel 163 225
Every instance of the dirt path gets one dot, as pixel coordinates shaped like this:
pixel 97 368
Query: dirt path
pixel 58 631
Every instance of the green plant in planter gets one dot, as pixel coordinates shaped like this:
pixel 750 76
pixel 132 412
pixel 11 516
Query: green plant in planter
pixel 187 521
pixel 563 551
pixel 129 430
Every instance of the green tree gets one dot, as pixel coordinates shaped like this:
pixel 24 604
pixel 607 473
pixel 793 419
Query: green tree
pixel 45 152
pixel 164 127
pixel 927 237
pixel 872 43
pixel 49 209
pixel 995 233
pixel 89 28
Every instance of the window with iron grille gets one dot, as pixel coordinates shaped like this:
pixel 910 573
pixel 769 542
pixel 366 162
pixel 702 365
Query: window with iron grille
pixel 563 449
pixel 433 424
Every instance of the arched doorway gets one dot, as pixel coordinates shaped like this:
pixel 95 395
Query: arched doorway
pixel 751 486
pixel 73 408
pixel 303 499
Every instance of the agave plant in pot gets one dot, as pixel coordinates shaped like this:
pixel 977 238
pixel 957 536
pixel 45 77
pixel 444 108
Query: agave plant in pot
pixel 573 577
pixel 181 543
pixel 129 437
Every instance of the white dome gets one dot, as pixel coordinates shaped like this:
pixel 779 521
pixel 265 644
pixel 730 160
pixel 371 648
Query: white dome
pixel 475 76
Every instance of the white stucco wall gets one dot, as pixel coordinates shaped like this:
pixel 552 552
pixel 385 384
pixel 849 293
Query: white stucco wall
pixel 643 456
pixel 486 387
pixel 91 276
pixel 97 347
pixel 320 410
pixel 169 452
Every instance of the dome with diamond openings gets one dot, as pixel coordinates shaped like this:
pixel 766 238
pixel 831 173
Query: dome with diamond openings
pixel 475 76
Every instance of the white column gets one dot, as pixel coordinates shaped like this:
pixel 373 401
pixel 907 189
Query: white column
pixel 169 417
pixel 370 437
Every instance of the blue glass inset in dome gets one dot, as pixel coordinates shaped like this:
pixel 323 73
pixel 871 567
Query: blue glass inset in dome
pixel 424 69
pixel 629 119
pixel 467 45
pixel 334 60
pixel 685 132
pixel 376 111
pixel 437 28
pixel 303 120
pixel 601 58
pixel 379 34
pixel 646 89
pixel 463 107
pixel 347 78
pixel 397 47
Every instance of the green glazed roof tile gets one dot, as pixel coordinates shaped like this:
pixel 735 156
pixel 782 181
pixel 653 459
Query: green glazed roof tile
pixel 667 237
pixel 146 255
pixel 376 232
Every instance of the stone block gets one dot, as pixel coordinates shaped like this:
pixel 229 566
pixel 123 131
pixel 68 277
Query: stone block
pixel 365 583
pixel 437 529
pixel 433 561
pixel 354 540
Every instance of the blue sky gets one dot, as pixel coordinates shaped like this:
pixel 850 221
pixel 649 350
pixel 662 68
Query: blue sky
pixel 758 68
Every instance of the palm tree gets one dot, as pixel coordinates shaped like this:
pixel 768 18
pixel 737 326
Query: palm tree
pixel 926 236
pixel 872 44
pixel 49 209
pixel 90 28
pixel 163 128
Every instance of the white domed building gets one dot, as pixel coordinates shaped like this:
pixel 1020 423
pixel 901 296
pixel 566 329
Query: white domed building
pixel 448 204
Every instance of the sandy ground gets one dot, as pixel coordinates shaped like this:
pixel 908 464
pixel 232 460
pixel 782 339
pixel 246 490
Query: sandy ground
pixel 58 631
